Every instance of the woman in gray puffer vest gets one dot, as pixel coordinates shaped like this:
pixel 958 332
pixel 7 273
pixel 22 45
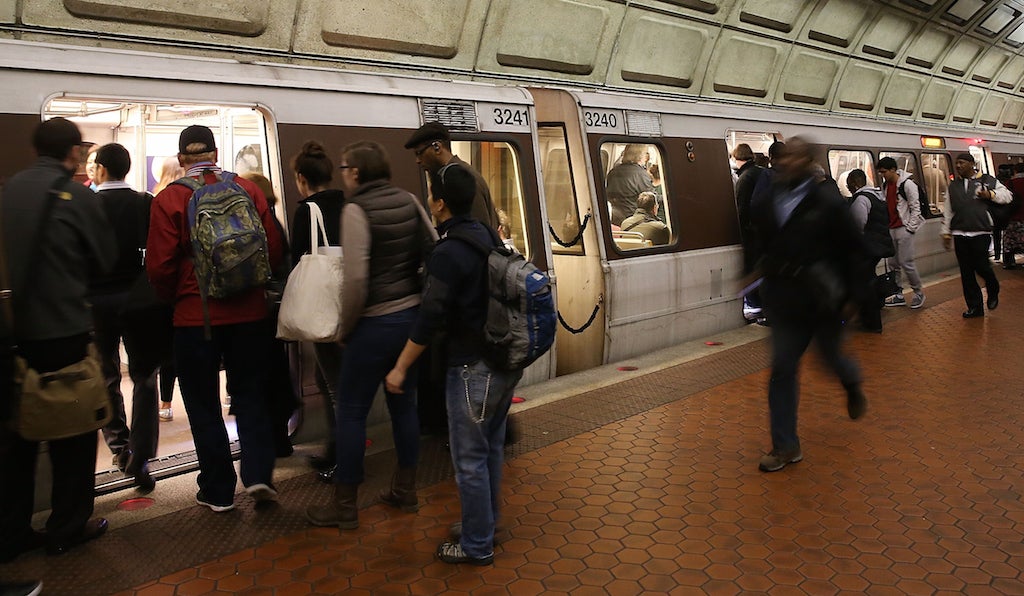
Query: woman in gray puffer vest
pixel 387 236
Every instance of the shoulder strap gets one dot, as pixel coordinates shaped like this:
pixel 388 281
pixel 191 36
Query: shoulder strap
pixel 189 182
pixel 633 225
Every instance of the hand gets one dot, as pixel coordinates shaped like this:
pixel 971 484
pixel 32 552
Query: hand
pixel 394 381
pixel 947 241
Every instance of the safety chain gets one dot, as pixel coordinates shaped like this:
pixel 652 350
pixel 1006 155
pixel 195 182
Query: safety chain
pixel 579 235
pixel 590 321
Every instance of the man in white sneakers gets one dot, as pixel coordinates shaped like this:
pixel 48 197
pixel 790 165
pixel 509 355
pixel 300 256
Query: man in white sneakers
pixel 901 192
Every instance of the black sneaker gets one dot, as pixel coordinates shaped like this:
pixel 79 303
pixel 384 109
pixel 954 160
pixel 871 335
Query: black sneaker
pixel 856 403
pixel 216 507
pixel 452 553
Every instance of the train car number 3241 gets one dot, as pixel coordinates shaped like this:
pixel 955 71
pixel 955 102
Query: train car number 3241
pixel 504 117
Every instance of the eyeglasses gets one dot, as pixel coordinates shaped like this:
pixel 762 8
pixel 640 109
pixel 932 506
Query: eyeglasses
pixel 419 152
pixel 346 167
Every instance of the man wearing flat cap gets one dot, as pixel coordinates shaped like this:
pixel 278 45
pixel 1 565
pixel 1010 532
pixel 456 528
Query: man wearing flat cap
pixel 432 146
pixel 967 227
pixel 232 330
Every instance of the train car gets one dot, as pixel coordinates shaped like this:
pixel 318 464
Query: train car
pixel 546 152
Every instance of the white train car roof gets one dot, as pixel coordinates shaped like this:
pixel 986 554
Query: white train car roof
pixel 329 96
pixel 709 119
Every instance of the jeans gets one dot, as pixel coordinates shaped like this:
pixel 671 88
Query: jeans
pixel 790 337
pixel 904 259
pixel 245 350
pixel 370 353
pixel 972 256
pixel 478 399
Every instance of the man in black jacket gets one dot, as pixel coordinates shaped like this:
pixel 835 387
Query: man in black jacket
pixel 56 239
pixel 478 394
pixel 748 173
pixel 810 247
pixel 128 213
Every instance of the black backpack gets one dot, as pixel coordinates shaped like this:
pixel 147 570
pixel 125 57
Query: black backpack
pixel 922 198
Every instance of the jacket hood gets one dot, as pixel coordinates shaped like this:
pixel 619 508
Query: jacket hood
pixel 871 191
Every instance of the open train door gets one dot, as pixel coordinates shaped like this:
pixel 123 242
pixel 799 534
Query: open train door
pixel 569 196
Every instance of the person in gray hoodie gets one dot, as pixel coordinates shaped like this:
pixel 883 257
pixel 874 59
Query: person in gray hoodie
pixel 900 192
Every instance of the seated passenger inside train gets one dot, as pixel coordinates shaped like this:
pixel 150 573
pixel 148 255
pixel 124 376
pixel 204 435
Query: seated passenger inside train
pixel 645 220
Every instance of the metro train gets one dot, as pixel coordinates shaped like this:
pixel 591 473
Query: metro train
pixel 544 150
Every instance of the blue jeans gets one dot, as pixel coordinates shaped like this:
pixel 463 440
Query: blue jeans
pixel 790 337
pixel 370 353
pixel 478 399
pixel 245 351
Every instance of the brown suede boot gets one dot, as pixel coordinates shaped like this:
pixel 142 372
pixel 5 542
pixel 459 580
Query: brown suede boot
pixel 402 493
pixel 341 512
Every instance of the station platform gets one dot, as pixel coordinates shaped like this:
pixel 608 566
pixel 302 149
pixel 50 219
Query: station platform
pixel 646 481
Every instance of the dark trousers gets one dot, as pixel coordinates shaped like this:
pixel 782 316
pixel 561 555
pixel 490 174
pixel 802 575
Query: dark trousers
pixel 72 462
pixel 140 439
pixel 370 353
pixel 790 337
pixel 972 256
pixel 244 349
pixel 328 369
pixel 870 303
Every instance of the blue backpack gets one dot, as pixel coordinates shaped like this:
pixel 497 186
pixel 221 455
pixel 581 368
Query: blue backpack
pixel 229 244
pixel 521 316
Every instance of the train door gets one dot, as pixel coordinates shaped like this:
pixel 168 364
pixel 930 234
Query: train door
pixel 571 224
pixel 150 130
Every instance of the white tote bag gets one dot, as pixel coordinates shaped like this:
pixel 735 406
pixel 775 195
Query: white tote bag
pixel 311 304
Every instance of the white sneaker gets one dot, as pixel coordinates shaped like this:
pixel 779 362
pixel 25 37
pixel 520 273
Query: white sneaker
pixel 166 414
pixel 896 300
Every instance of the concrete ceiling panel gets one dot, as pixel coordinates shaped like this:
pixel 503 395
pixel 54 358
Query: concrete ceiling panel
pixel 992 110
pixel 439 33
pixel 960 58
pixel 860 87
pixel 240 23
pixel 704 9
pixel 928 48
pixel 746 66
pixel 784 16
pixel 8 11
pixel 965 108
pixel 808 78
pixel 902 94
pixel 989 66
pixel 662 52
pixel 1012 114
pixel 839 22
pixel 567 37
pixel 419 27
pixel 241 17
pixel 937 100
pixel 888 35
pixel 1010 76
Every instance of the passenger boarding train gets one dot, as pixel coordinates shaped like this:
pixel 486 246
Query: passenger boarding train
pixel 545 152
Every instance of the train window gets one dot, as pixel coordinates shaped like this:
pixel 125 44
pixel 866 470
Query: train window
pixel 637 196
pixel 498 163
pixel 559 192
pixel 936 172
pixel 842 161
pixel 980 158
pixel 150 133
pixel 759 143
